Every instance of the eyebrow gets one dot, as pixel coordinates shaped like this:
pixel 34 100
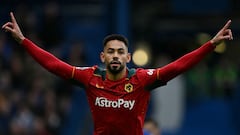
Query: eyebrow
pixel 119 49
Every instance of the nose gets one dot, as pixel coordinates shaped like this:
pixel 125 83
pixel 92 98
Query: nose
pixel 115 58
pixel 115 55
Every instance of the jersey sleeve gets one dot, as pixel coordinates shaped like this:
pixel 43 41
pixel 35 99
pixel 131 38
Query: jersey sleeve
pixel 184 63
pixel 79 75
pixel 149 78
pixel 152 78
pixel 47 60
pixel 82 75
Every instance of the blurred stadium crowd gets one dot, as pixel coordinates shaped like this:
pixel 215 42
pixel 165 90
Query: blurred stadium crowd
pixel 35 102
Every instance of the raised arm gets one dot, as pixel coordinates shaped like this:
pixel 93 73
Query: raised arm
pixel 187 61
pixel 44 58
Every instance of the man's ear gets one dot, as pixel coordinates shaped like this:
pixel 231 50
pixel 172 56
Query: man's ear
pixel 102 57
pixel 129 57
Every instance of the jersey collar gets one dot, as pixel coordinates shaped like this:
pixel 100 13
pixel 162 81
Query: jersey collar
pixel 102 72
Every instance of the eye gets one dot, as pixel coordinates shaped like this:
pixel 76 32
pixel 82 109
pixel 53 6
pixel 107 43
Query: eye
pixel 121 51
pixel 110 51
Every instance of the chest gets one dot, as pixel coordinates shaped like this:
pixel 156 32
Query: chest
pixel 124 95
pixel 122 87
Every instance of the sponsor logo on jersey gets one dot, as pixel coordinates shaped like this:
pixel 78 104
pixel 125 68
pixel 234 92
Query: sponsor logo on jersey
pixel 128 87
pixel 120 103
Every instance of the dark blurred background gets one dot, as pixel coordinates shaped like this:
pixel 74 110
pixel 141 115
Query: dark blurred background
pixel 202 101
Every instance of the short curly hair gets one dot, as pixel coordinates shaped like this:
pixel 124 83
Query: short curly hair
pixel 115 37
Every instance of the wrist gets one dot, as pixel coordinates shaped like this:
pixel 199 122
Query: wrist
pixel 214 43
pixel 20 40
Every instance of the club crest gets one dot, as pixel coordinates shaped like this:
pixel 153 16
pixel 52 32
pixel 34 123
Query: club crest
pixel 128 87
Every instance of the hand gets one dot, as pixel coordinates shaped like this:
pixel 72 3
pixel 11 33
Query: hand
pixel 224 34
pixel 14 29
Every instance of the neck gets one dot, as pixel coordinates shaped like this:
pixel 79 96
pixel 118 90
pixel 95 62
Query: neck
pixel 115 77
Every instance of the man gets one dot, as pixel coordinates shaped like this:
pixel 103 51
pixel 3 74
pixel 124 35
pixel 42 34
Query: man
pixel 151 127
pixel 118 96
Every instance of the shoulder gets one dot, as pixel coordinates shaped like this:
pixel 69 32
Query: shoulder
pixel 98 71
pixel 82 71
pixel 148 72
pixel 142 74
pixel 85 68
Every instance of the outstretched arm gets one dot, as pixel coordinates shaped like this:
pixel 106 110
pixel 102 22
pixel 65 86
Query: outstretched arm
pixel 47 60
pixel 187 61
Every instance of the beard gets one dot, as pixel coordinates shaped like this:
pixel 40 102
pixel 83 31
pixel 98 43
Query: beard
pixel 115 69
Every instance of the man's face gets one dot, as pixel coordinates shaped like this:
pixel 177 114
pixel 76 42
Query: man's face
pixel 115 55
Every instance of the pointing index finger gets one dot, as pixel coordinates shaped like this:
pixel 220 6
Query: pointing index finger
pixel 227 24
pixel 13 18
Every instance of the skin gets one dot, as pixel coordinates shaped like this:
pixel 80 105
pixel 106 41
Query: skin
pixel 118 51
pixel 115 56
